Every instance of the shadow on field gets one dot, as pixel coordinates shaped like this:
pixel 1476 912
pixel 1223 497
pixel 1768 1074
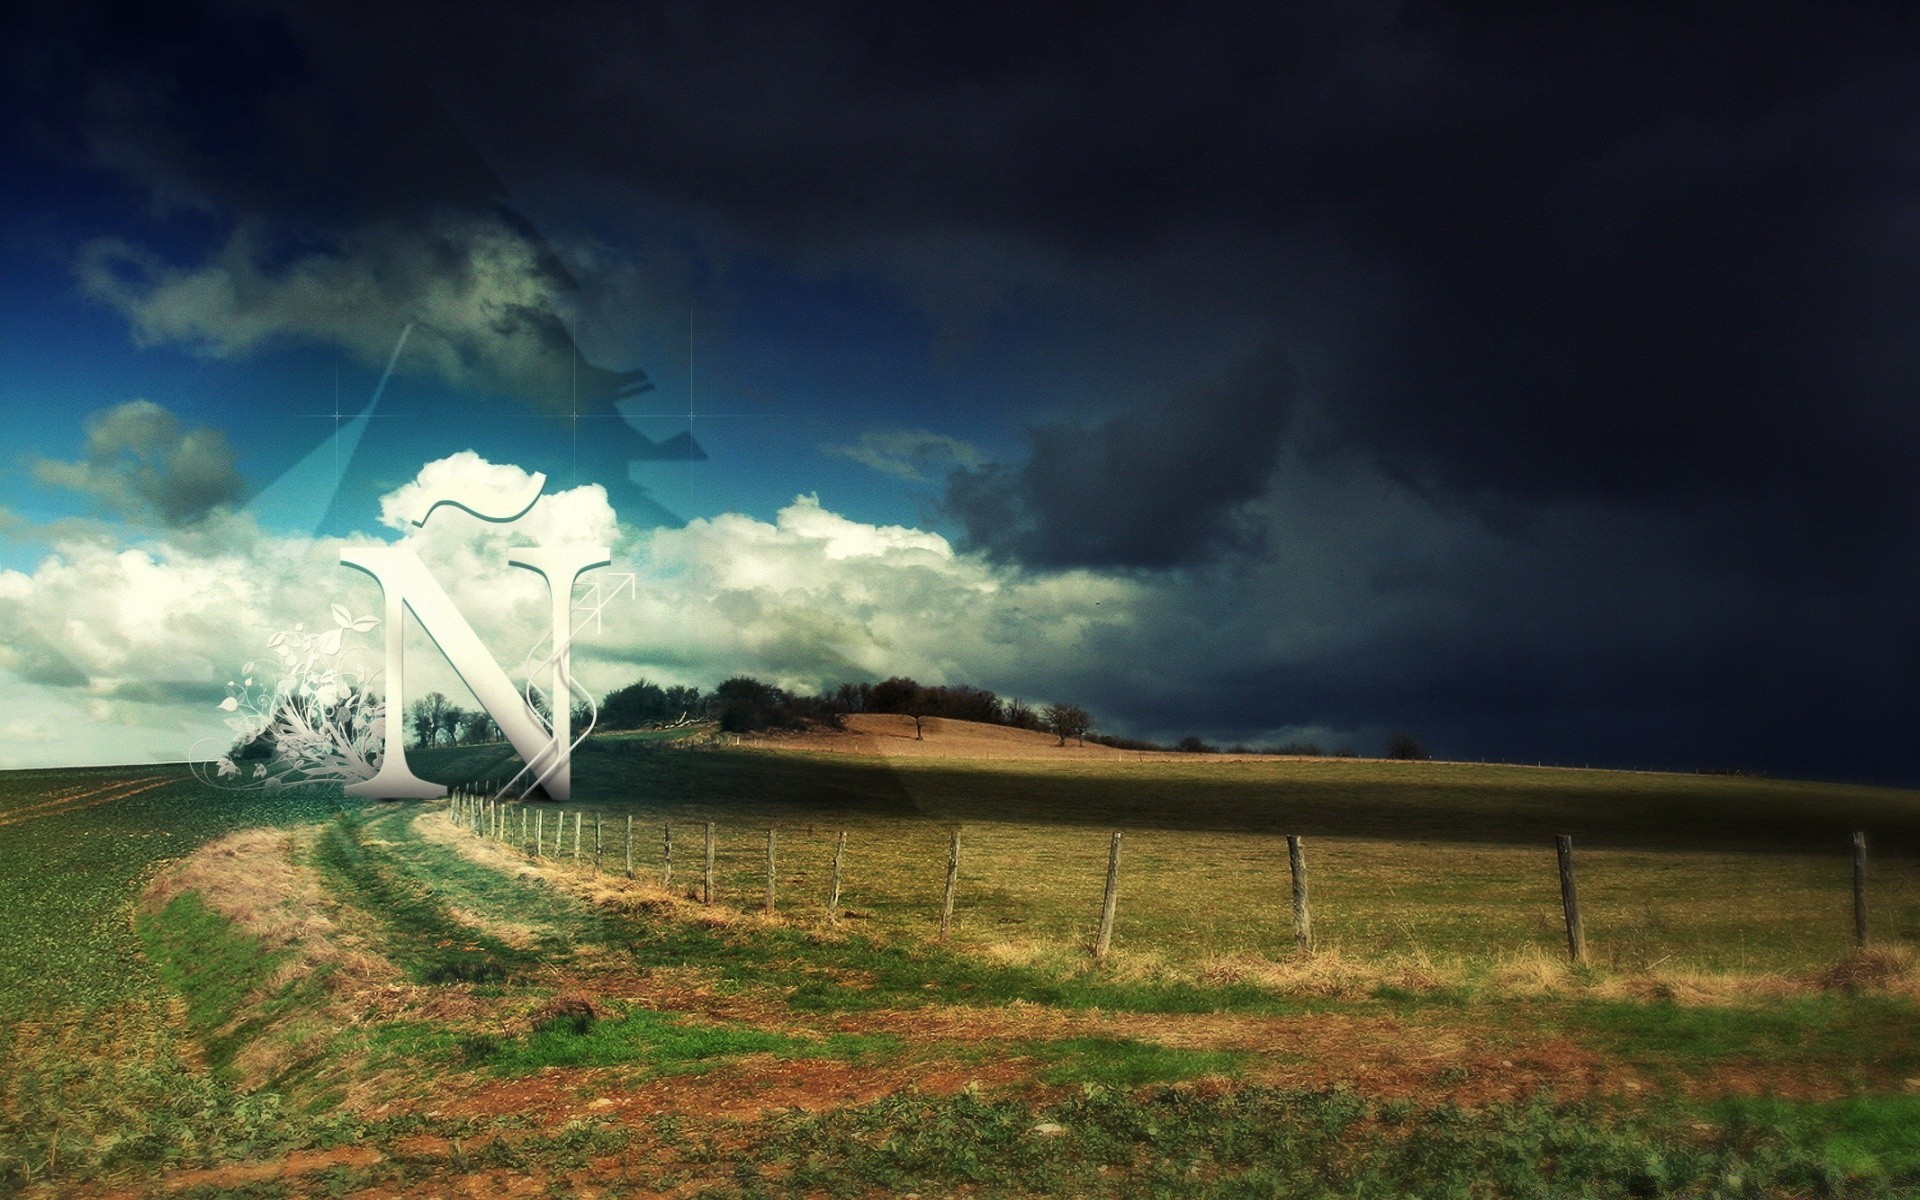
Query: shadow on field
pixel 1446 802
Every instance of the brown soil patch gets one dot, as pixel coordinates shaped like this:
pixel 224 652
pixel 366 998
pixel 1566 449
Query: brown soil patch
pixel 1379 1056
pixel 300 1162
pixel 740 1089
pixel 235 1175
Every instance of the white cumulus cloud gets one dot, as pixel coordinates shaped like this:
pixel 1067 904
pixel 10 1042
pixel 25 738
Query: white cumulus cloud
pixel 130 647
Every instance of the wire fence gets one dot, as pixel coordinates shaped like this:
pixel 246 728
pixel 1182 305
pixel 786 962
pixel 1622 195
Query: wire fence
pixel 1255 895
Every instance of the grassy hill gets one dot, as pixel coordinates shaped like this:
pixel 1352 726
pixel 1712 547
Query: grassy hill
pixel 1437 859
pixel 1362 798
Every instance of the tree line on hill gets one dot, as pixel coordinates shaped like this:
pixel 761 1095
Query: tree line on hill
pixel 744 704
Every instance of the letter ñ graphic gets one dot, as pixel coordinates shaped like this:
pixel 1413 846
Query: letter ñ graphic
pixel 407 585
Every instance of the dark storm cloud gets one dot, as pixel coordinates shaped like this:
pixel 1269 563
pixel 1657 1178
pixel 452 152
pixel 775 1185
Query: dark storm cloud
pixel 1657 265
pixel 354 205
pixel 1661 254
pixel 1152 486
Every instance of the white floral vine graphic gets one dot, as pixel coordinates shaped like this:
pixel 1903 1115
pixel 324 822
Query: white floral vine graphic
pixel 318 723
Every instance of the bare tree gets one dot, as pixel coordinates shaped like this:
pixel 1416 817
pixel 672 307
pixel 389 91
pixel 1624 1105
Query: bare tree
pixel 1068 721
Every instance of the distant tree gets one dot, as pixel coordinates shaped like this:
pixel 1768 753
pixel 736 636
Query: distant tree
pixel 1021 715
pixel 1068 721
pixel 852 697
pixel 480 727
pixel 639 704
pixel 892 695
pixel 425 716
pixel 1404 745
pixel 683 703
pixel 451 718
pixel 965 703
pixel 1194 745
pixel 1123 743
pixel 902 695
pixel 745 704
pixel 1303 749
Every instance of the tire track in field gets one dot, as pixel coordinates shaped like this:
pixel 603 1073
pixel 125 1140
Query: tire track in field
pixel 70 792
pixel 73 794
pixel 56 807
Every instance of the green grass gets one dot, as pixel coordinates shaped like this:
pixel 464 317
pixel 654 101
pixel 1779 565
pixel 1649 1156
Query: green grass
pixel 68 880
pixel 1821 1035
pixel 662 1043
pixel 1126 1062
pixel 223 975
pixel 420 933
pixel 1869 1136
pixel 1268 1142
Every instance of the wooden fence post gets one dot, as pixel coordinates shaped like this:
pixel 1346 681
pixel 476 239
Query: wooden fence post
pixel 770 874
pixel 1104 941
pixel 953 879
pixel 539 838
pixel 666 855
pixel 706 893
pixel 1302 917
pixel 1860 890
pixel 629 845
pixel 1570 900
pixel 576 835
pixel 833 897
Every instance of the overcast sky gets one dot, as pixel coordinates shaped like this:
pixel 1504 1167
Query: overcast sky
pixel 1539 379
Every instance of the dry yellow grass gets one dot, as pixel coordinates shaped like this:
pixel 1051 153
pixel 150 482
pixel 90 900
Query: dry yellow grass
pixel 253 879
pixel 1215 908
pixel 890 735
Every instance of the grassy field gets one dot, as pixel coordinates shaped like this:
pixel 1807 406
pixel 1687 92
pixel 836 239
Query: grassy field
pixel 368 998
pixel 1442 861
